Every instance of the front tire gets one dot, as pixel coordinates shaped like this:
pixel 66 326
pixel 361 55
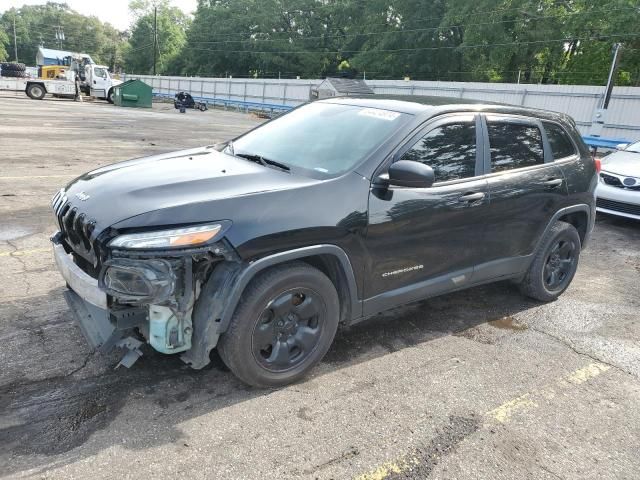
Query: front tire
pixel 283 326
pixel 110 96
pixel 554 265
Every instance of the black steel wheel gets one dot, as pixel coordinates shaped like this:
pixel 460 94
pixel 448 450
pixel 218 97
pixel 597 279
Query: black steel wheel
pixel 559 264
pixel 554 264
pixel 283 326
pixel 289 329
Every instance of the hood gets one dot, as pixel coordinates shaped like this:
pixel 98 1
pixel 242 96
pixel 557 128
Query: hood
pixel 123 190
pixel 622 163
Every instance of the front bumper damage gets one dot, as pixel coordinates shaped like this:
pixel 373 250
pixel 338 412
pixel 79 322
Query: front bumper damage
pixel 148 297
pixel 89 306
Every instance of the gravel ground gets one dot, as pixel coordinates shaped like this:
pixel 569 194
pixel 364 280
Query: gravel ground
pixel 477 384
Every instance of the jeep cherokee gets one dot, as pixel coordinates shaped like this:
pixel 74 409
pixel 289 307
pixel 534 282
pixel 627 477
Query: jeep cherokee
pixel 330 214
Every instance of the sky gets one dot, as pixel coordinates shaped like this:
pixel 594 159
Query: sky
pixel 116 12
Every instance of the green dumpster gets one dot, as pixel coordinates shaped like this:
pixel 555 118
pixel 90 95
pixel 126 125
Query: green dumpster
pixel 133 93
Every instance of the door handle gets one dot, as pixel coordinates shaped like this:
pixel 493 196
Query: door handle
pixel 94 82
pixel 471 197
pixel 553 183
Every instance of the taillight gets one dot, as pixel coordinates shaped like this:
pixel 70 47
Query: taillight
pixel 598 165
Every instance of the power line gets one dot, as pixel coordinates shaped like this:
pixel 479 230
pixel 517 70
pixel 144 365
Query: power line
pixel 415 30
pixel 415 49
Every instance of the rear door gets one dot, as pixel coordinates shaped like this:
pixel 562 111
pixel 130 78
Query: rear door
pixel 526 189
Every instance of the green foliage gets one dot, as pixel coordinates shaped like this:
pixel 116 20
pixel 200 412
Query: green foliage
pixel 172 25
pixel 36 25
pixel 533 41
pixel 4 41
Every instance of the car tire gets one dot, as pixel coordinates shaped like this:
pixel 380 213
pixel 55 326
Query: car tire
pixel 36 91
pixel 283 326
pixel 13 74
pixel 110 96
pixel 554 264
pixel 15 67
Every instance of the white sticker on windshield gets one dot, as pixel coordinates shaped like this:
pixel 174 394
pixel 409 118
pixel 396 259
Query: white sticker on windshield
pixel 381 114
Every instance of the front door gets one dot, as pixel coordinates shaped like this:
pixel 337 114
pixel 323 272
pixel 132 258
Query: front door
pixel 100 82
pixel 526 190
pixel 422 241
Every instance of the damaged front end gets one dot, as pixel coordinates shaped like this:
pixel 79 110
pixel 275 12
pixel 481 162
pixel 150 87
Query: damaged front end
pixel 132 288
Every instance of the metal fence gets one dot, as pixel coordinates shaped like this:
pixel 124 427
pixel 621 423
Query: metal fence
pixel 579 101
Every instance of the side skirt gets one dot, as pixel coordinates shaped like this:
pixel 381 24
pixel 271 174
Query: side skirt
pixel 489 272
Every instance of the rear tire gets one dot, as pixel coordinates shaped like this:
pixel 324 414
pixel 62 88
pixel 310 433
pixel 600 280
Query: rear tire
pixel 284 325
pixel 36 91
pixel 554 265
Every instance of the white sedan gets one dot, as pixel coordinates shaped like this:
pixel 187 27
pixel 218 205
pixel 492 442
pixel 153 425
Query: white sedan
pixel 619 187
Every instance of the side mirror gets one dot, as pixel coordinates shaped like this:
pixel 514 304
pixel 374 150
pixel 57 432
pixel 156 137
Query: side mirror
pixel 622 146
pixel 407 173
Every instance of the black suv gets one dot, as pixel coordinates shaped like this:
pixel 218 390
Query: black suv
pixel 327 215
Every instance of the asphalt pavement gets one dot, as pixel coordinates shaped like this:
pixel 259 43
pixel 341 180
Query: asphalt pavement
pixel 479 384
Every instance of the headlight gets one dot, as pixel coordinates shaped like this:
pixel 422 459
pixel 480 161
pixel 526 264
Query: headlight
pixel 174 238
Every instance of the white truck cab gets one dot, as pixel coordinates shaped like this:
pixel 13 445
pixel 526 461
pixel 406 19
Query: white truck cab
pixel 98 82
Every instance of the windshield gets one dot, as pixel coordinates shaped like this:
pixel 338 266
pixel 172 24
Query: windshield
pixel 325 139
pixel 634 147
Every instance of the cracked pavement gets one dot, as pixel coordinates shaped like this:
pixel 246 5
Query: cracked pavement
pixel 408 394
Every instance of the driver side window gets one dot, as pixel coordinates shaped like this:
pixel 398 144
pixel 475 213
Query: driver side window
pixel 449 149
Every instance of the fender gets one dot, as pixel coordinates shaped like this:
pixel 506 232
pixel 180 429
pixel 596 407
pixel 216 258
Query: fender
pixel 222 292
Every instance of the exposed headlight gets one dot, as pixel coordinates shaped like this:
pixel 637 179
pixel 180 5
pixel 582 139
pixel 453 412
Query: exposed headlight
pixel 174 238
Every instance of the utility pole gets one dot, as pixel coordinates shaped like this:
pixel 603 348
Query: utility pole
pixel 155 38
pixel 613 72
pixel 600 116
pixel 15 42
pixel 59 35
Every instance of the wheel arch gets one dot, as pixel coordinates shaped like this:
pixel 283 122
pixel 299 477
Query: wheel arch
pixel 329 259
pixel 580 220
pixel 222 293
pixel 580 216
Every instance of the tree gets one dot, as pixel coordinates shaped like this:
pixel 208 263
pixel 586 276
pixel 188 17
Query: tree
pixel 36 25
pixel 4 41
pixel 172 26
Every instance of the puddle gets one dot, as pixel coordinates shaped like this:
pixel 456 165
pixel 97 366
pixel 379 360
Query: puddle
pixel 9 232
pixel 507 323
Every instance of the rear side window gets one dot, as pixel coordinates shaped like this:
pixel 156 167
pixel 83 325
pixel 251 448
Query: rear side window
pixel 514 145
pixel 450 150
pixel 559 141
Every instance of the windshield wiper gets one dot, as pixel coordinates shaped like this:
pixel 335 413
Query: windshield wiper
pixel 263 161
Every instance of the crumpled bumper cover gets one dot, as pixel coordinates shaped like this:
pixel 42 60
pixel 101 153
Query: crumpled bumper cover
pixel 94 322
pixel 103 328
